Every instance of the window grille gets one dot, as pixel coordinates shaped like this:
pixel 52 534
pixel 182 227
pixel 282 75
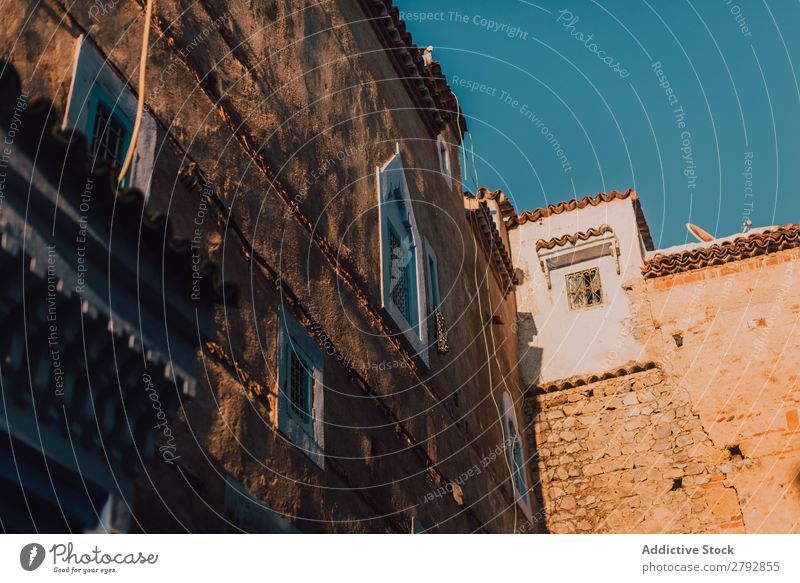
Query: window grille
pixel 400 276
pixel 301 398
pixel 299 383
pixel 583 289
pixel 109 136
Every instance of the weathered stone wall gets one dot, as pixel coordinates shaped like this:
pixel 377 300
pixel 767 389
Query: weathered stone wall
pixel 627 454
pixel 310 81
pixel 739 361
pixel 719 414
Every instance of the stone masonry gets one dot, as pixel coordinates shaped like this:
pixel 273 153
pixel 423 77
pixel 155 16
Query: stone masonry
pixel 627 454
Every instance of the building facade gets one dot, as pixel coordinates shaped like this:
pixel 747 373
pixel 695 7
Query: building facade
pixel 662 384
pixel 295 170
pixel 286 315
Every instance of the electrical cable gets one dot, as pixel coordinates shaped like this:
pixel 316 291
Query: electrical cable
pixel 491 384
pixel 140 105
pixel 480 308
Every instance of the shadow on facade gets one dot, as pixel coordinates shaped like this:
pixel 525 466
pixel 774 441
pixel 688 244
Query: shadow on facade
pixel 530 366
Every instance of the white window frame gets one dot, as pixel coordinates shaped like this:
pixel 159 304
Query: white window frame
pixel 293 337
pixel 90 68
pixel 445 166
pixel 510 415
pixel 389 176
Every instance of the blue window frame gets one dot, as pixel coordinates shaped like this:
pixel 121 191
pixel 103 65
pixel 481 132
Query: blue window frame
pixel 300 388
pixel 108 130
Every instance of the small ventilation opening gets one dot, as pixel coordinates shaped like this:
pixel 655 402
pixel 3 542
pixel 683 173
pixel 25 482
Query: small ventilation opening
pixel 678 338
pixel 677 484
pixel 735 451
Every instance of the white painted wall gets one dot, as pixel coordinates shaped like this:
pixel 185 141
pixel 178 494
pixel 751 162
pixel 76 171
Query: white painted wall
pixel 556 342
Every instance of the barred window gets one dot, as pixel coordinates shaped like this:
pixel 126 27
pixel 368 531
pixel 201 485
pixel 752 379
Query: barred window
pixel 583 289
pixel 109 137
pixel 109 130
pixel 301 388
pixel 400 265
pixel 300 385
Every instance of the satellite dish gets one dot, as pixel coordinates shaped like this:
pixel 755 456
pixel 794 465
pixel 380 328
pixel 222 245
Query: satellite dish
pixel 699 233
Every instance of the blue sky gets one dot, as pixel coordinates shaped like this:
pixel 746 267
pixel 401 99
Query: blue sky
pixel 554 112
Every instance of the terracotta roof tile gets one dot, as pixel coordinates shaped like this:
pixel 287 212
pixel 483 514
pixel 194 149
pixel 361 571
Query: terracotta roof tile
pixel 574 238
pixel 492 243
pixel 576 204
pixel 744 247
pixel 503 202
pixel 425 82
pixel 582 380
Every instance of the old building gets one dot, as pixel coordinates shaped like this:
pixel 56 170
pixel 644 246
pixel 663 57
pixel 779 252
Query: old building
pixel 283 313
pixel 270 274
pixel 662 384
